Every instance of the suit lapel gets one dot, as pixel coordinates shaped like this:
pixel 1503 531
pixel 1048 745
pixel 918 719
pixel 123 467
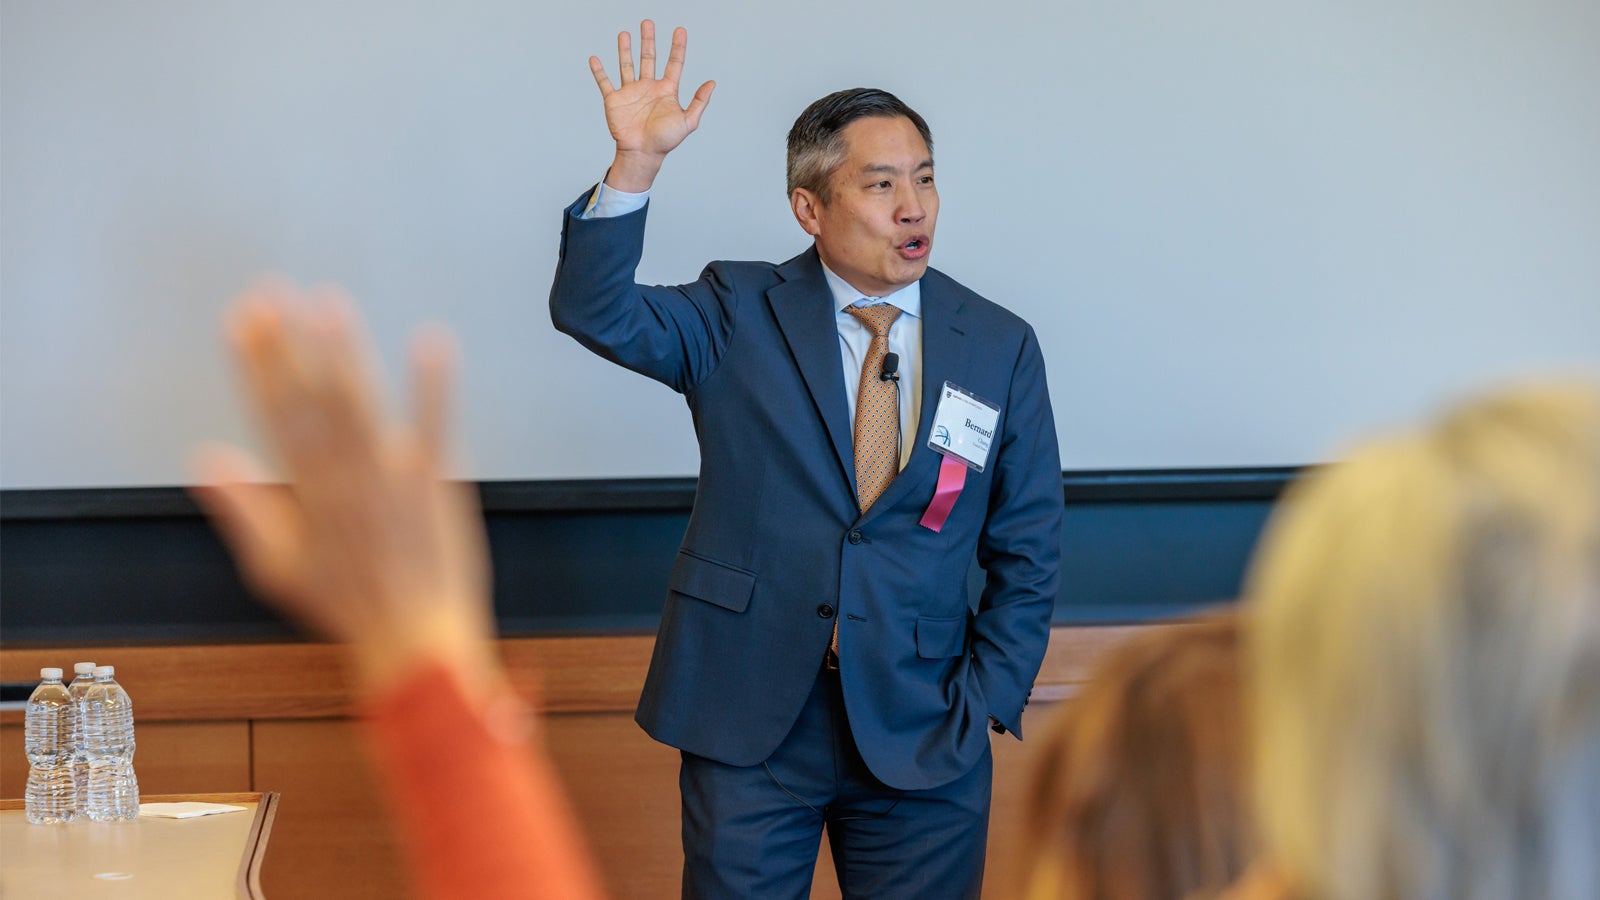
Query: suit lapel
pixel 944 357
pixel 803 307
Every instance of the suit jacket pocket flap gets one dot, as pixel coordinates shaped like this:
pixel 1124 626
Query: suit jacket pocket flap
pixel 940 637
pixel 711 581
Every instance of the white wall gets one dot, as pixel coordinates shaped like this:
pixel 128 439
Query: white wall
pixel 1244 229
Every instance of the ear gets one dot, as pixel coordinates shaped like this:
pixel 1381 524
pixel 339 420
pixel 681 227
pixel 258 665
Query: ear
pixel 807 208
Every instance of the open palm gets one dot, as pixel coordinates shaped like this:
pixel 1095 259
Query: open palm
pixel 644 115
pixel 367 543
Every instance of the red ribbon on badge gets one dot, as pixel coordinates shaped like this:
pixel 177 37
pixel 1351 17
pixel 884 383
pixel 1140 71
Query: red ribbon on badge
pixel 952 478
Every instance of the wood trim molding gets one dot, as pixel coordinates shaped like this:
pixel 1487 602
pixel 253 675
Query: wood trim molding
pixel 248 885
pixel 569 674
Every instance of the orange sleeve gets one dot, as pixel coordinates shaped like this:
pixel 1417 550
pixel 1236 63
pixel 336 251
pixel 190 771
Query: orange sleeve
pixel 479 806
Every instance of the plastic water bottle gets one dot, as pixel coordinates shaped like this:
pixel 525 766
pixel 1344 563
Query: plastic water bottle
pixel 108 743
pixel 78 689
pixel 51 797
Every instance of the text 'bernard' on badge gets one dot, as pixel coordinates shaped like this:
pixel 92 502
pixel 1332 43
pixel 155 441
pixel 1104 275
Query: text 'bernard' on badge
pixel 963 426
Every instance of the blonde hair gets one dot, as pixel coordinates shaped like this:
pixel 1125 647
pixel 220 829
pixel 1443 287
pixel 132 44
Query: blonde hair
pixel 1140 790
pixel 1425 624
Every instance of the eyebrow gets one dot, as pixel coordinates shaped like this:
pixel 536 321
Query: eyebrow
pixel 875 168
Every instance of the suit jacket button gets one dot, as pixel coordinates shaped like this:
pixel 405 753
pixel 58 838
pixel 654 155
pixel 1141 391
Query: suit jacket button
pixel 825 611
pixel 855 537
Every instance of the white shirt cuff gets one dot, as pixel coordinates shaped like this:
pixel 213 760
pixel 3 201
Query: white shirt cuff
pixel 607 202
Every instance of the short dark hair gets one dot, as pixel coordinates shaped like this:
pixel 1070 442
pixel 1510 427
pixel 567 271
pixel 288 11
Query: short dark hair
pixel 816 142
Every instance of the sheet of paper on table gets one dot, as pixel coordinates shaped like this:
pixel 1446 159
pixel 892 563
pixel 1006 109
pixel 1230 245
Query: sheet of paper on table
pixel 186 810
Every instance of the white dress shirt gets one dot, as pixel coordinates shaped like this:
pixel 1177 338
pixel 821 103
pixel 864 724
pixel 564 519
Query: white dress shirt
pixel 905 335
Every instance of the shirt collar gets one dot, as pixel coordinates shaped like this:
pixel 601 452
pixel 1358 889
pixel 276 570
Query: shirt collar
pixel 908 298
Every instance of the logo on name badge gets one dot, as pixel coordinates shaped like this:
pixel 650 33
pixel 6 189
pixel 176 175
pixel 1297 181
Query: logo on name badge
pixel 942 435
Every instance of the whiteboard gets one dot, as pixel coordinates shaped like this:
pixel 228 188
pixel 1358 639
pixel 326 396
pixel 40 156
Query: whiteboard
pixel 1244 230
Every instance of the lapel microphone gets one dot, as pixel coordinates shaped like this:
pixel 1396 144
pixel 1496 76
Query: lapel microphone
pixel 891 373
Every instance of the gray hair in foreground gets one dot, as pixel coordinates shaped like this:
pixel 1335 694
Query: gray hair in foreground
pixel 1426 660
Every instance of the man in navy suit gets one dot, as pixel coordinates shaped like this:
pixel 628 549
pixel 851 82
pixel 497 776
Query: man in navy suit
pixel 818 663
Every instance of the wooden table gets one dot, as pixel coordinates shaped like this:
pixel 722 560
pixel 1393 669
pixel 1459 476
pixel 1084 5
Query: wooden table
pixel 202 858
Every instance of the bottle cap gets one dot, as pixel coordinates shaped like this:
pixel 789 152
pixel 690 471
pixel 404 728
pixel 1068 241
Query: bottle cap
pixel 50 673
pixel 83 668
pixel 104 671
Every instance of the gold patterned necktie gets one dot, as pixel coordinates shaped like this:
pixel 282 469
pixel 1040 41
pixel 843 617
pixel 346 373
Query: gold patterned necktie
pixel 877 426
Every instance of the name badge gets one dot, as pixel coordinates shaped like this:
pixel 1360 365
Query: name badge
pixel 963 426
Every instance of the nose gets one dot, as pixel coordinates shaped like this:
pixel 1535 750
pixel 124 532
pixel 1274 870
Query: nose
pixel 909 210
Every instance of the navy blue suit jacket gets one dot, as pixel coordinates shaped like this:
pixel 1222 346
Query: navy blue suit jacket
pixel 776 547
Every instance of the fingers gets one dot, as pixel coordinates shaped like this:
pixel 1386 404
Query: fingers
pixel 432 370
pixel 680 42
pixel 697 106
pixel 256 335
pixel 625 57
pixel 365 541
pixel 647 57
pixel 257 520
pixel 265 533
pixel 598 70
pixel 308 378
pixel 647 50
pixel 346 395
pixel 223 476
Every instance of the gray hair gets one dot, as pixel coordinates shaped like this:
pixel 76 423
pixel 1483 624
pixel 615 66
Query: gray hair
pixel 816 142
pixel 1426 653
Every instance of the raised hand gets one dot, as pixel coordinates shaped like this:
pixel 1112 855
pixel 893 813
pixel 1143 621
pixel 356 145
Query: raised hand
pixel 643 114
pixel 367 543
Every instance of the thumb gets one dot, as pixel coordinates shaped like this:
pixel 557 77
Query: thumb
pixel 697 106
pixel 256 520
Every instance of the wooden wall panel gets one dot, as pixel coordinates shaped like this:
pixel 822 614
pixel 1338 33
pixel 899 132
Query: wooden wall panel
pixel 171 758
pixel 624 790
pixel 192 757
pixel 197 682
pixel 332 836
pixel 1014 762
pixel 13 762
pixel 310 680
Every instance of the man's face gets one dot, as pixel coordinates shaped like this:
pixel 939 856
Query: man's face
pixel 876 229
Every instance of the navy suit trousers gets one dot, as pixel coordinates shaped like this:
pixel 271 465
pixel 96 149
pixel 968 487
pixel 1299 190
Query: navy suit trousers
pixel 754 831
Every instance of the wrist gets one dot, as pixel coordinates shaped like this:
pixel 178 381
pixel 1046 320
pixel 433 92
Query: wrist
pixel 381 657
pixel 634 171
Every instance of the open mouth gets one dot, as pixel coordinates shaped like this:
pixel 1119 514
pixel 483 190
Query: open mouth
pixel 916 247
